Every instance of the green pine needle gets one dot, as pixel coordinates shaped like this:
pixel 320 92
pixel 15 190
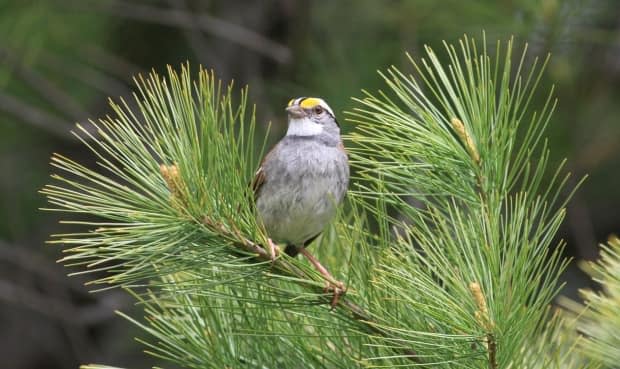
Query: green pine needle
pixel 598 322
pixel 446 245
pixel 456 154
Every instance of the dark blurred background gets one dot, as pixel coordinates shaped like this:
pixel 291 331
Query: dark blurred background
pixel 61 60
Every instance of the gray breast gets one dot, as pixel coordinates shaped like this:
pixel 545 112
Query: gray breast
pixel 305 180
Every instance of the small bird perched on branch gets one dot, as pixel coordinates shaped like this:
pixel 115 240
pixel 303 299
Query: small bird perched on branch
pixel 303 179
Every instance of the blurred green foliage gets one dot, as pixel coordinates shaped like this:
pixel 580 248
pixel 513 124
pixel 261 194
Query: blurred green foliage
pixel 61 59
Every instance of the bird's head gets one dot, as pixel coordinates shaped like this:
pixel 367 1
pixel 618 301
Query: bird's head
pixel 309 116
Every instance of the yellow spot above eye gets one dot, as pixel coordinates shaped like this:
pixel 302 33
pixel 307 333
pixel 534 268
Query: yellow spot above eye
pixel 290 103
pixel 310 102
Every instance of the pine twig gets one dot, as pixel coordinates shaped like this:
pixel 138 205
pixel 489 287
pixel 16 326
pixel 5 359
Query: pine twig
pixel 284 266
pixel 174 182
pixel 482 316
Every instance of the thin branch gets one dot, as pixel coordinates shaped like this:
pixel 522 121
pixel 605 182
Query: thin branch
pixel 482 316
pixel 32 115
pixel 194 36
pixel 34 263
pixel 61 310
pixel 581 224
pixel 284 266
pixel 87 75
pixel 109 62
pixel 205 22
pixel 57 308
pixel 48 90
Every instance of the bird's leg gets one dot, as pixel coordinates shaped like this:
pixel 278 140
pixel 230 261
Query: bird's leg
pixel 274 251
pixel 336 286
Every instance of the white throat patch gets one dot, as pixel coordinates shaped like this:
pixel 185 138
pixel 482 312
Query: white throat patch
pixel 303 127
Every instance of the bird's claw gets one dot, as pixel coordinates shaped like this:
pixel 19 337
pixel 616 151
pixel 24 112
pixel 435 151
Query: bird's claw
pixel 337 289
pixel 274 251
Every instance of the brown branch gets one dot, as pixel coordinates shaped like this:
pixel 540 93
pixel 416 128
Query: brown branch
pixel 492 349
pixel 174 182
pixel 284 266
pixel 247 246
pixel 483 318
pixel 280 264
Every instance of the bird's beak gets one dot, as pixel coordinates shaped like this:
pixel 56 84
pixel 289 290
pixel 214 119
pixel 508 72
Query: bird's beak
pixel 295 111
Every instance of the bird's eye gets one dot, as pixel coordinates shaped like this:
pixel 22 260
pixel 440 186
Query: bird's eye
pixel 318 109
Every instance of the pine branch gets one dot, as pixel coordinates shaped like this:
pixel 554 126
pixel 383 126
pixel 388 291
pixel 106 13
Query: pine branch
pixel 165 223
pixel 462 275
pixel 476 246
pixel 288 268
pixel 597 321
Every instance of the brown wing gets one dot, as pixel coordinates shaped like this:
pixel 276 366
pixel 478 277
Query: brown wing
pixel 258 181
pixel 260 177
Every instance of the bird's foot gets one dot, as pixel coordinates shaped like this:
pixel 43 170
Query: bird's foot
pixel 333 285
pixel 274 251
pixel 337 289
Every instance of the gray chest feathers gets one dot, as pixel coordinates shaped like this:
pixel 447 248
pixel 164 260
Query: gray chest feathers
pixel 305 180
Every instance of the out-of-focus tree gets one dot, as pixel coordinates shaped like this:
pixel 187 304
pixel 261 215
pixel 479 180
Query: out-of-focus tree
pixel 61 59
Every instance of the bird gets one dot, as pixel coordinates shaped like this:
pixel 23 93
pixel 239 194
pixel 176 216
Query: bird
pixel 303 179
